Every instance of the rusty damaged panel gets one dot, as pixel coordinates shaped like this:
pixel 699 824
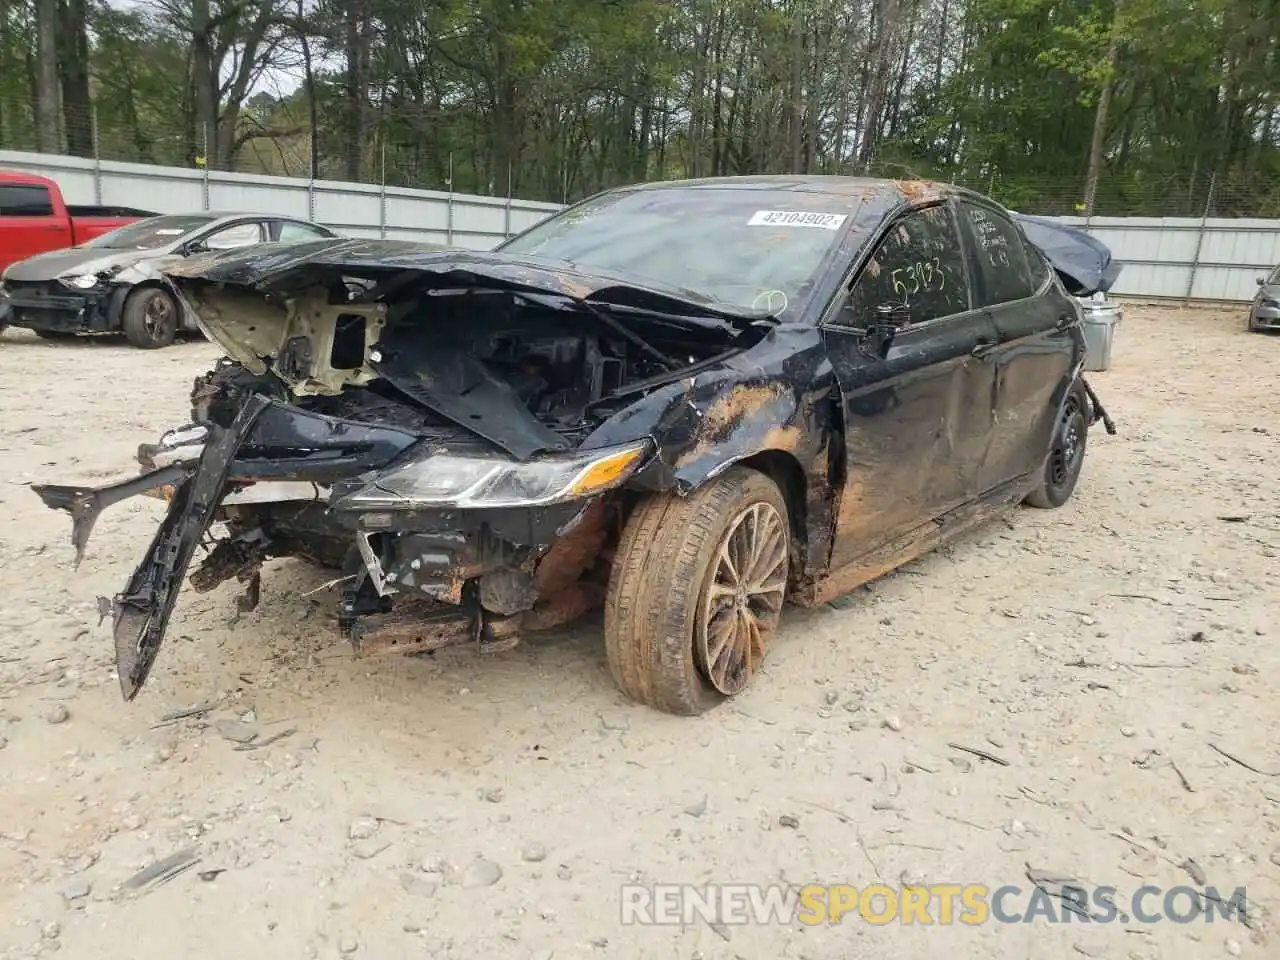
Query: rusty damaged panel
pixel 412 627
pixel 925 537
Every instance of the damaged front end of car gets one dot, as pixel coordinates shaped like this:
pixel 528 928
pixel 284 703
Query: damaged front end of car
pixel 459 441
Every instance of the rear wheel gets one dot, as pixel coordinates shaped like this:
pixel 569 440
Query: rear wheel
pixel 150 318
pixel 1066 453
pixel 696 592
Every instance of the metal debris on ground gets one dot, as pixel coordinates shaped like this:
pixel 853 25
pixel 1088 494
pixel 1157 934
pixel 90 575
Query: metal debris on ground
pixel 985 755
pixel 1055 885
pixel 162 871
pixel 1248 766
pixel 197 711
pixel 258 745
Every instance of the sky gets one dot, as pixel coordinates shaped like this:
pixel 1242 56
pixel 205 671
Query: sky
pixel 277 82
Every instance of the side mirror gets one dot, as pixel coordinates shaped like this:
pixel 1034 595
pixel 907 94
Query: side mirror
pixel 889 319
pixel 1262 281
pixel 195 246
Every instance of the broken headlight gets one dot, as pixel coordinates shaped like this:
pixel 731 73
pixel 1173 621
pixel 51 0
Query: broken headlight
pixel 483 482
pixel 85 281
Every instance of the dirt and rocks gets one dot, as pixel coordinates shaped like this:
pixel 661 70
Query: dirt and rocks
pixel 448 807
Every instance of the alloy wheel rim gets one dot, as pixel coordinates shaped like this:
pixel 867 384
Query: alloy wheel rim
pixel 743 598
pixel 156 316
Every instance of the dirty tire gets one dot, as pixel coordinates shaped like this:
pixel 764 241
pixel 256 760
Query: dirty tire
pixel 150 318
pixel 1062 467
pixel 664 566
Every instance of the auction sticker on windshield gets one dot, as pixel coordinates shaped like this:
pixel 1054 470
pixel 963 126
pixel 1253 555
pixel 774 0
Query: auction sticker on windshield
pixel 784 218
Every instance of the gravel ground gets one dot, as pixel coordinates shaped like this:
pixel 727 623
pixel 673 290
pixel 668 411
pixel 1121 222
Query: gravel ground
pixel 452 807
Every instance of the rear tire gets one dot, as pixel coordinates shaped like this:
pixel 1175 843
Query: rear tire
pixel 1062 466
pixel 150 318
pixel 683 631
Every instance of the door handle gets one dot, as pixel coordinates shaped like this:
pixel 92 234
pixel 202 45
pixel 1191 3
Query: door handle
pixel 983 348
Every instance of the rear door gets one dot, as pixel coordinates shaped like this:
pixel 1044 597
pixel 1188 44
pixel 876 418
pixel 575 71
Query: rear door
pixel 916 419
pixel 1037 346
pixel 30 222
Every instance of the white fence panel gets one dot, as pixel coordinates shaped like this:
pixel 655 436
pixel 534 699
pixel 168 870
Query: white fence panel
pixel 1210 259
pixel 1213 259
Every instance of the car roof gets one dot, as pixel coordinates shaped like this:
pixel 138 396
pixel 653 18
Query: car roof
pixel 241 214
pixel 23 177
pixel 853 189
pixel 219 216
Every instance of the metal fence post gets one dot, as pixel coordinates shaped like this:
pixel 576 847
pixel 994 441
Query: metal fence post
pixel 311 181
pixel 1204 223
pixel 449 221
pixel 382 195
pixel 506 220
pixel 97 158
pixel 204 179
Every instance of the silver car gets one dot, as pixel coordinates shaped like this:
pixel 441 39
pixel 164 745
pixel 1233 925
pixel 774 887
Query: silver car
pixel 1264 314
pixel 114 283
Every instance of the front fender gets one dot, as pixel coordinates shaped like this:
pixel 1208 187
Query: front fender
pixel 149 272
pixel 742 422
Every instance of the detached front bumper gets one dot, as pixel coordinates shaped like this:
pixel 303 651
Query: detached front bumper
pixel 415 580
pixel 1265 317
pixel 57 309
pixel 323 448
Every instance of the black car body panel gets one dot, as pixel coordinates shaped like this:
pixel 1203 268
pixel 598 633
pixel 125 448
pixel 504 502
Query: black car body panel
pixel 1082 261
pixel 285 271
pixel 907 387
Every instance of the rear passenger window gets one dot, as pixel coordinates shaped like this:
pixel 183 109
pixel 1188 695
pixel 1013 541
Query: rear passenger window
pixel 25 200
pixel 1004 273
pixel 919 265
pixel 1039 267
pixel 290 231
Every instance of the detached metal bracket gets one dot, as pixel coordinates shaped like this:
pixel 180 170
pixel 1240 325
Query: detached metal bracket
pixel 85 504
pixel 1099 413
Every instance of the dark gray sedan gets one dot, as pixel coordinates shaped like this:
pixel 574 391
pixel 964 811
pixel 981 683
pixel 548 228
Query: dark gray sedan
pixel 1264 314
pixel 114 283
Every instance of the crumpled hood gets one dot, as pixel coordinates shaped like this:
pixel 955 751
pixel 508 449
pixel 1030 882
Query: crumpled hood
pixel 1082 261
pixel 1269 291
pixel 282 269
pixel 73 261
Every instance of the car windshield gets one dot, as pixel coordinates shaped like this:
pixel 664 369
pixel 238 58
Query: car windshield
pixel 1275 276
pixel 756 249
pixel 150 234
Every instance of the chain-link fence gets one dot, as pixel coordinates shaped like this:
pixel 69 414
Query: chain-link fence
pixel 451 150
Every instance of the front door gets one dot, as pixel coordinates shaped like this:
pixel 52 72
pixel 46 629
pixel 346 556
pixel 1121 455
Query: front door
pixel 1036 351
pixel 917 415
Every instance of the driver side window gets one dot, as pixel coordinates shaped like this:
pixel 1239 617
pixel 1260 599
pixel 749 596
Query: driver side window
pixel 918 270
pixel 238 235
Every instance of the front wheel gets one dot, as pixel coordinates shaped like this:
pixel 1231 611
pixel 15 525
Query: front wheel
pixel 1066 453
pixel 150 318
pixel 696 592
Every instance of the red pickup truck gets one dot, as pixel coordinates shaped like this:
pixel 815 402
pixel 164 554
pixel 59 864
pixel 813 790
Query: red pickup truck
pixel 34 219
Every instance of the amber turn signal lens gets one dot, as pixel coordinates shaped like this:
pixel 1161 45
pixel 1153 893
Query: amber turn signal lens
pixel 606 472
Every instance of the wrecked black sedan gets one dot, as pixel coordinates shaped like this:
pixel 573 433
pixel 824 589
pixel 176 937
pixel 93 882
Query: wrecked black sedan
pixel 684 402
